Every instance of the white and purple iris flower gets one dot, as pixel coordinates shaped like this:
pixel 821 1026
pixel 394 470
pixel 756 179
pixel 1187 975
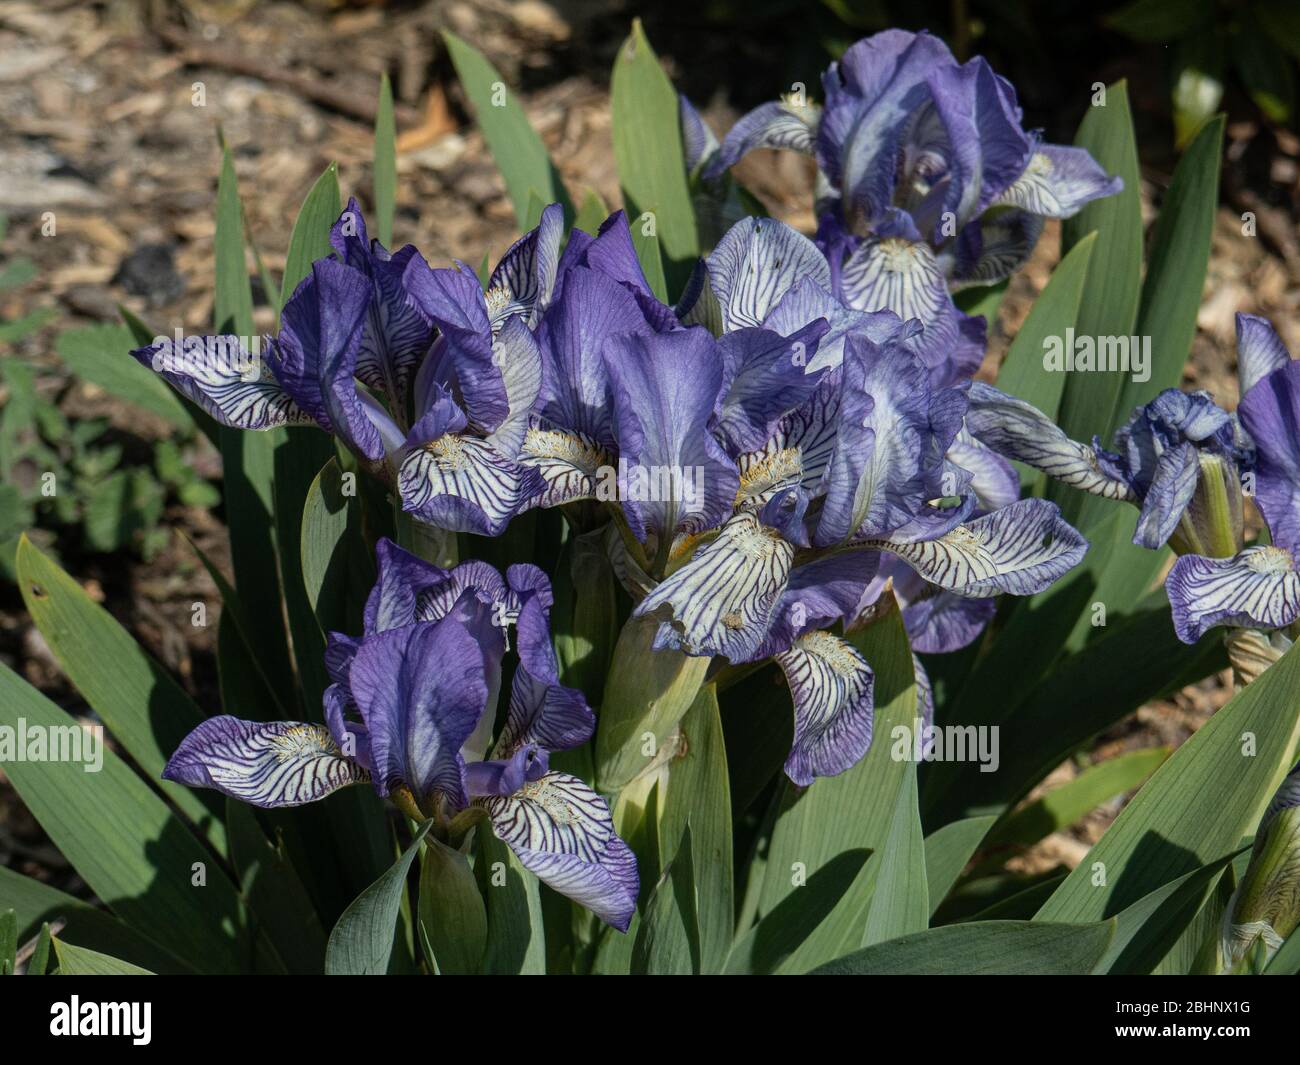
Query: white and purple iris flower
pixel 1257 587
pixel 412 708
pixel 927 180
pixel 1183 461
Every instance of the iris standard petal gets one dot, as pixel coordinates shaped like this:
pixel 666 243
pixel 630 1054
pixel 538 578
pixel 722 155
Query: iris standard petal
pixel 1260 351
pixel 524 279
pixel 1173 483
pixel 674 476
pixel 1257 588
pixel 315 356
pixel 765 376
pixel 267 764
pixel 420 690
pixel 561 831
pixel 993 479
pixel 1271 414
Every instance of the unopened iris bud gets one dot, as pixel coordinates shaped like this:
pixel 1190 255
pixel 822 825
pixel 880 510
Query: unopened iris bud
pixel 1266 905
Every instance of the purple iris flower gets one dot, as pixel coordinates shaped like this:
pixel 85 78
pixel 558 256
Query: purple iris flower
pixel 1257 587
pixel 412 709
pixel 350 336
pixel 927 180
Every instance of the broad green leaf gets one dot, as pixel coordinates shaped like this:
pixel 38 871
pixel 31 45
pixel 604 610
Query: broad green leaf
pixel 310 239
pixel 986 948
pixel 338 568
pixel 1061 807
pixel 8 941
pixel 1146 930
pixel 385 164
pixel 81 961
pixel 276 896
pixel 900 903
pixel 668 942
pixel 518 150
pixel 39 905
pixel 1054 311
pixel 646 119
pixel 1199 803
pixel 1110 297
pixel 100 354
pixel 646 242
pixel 947 852
pixel 647 691
pixel 140 704
pixel 592 213
pixel 1161 20
pixel 40 960
pixel 811 826
pixel 248 458
pixel 1286 962
pixel 584 617
pixel 766 946
pixel 1176 266
pixel 124 842
pixel 698 793
pixel 362 940
pixel 453 919
pixel 516 941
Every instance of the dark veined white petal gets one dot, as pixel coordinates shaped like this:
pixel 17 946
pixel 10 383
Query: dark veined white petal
pixel 396 335
pixel 899 275
pixel 233 385
pixel 572 465
pixel 1020 549
pixel 1020 431
pixel 524 279
pixel 776 124
pixel 798 452
pixel 757 262
pixel 721 601
pixel 463 483
pixel 268 764
pixel 1257 588
pixel 831 685
pixel 562 832
pixel 1058 181
pixel 994 247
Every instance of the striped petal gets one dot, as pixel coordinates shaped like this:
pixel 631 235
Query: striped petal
pixel 699 144
pixel 994 247
pixel 572 466
pixel 894 430
pixel 721 602
pixel 1260 351
pixel 1020 549
pixel 420 690
pixel 776 124
pixel 755 264
pixel 832 688
pixel 1020 431
pixel 463 483
pixel 223 377
pixel 1257 588
pixel 797 453
pixel 899 275
pixel 524 279
pixel 267 764
pixel 517 357
pixel 1058 181
pixel 561 831
pixel 1167 497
